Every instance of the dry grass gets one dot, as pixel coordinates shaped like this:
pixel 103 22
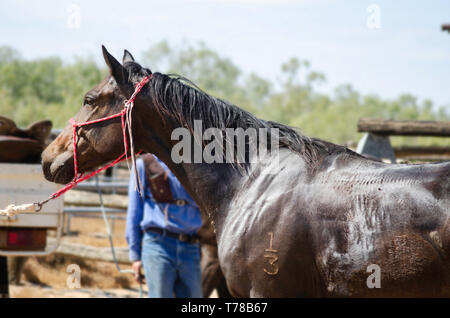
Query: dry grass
pixel 36 291
pixel 52 271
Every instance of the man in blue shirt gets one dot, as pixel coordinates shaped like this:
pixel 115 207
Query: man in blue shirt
pixel 162 235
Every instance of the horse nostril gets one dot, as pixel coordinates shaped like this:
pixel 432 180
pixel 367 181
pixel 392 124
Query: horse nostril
pixel 47 158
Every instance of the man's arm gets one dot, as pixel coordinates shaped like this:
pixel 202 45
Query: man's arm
pixel 135 213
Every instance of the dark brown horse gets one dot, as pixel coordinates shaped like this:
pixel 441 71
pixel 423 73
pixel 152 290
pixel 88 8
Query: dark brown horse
pixel 320 220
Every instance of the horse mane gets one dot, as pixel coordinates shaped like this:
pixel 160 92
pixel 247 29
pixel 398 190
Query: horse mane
pixel 182 100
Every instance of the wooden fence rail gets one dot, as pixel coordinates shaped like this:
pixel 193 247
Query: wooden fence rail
pixel 404 127
pixel 91 252
pixel 376 143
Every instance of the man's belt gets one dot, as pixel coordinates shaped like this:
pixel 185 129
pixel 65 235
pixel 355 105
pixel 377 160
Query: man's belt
pixel 178 202
pixel 193 238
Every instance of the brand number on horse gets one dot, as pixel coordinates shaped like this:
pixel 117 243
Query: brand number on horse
pixel 272 257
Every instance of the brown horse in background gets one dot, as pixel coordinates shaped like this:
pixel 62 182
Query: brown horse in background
pixel 23 145
pixel 19 145
pixel 212 276
pixel 319 221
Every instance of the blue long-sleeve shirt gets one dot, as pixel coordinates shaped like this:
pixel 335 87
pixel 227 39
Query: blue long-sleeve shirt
pixel 144 212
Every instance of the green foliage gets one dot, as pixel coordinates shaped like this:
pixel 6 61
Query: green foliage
pixel 50 89
pixel 44 88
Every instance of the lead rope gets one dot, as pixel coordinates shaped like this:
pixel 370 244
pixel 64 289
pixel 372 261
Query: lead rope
pixel 111 242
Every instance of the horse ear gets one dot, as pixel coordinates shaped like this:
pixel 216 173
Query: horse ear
pixel 7 126
pixel 116 69
pixel 40 130
pixel 127 57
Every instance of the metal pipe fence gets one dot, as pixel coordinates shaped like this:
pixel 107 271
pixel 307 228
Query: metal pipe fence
pixel 108 184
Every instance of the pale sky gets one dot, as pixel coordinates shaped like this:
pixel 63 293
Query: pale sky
pixel 408 53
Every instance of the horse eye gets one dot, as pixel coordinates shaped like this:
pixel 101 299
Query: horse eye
pixel 88 100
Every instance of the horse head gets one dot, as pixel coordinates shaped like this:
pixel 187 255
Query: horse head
pixel 101 142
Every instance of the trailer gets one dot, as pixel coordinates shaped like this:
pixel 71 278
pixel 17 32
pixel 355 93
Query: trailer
pixel 26 234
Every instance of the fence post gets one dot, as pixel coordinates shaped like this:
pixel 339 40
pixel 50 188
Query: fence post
pixel 69 216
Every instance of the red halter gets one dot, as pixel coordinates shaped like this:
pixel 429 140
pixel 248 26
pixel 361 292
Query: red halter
pixel 77 179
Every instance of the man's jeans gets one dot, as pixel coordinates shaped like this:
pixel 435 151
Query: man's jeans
pixel 172 267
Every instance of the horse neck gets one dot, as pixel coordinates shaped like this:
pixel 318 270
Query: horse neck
pixel 210 185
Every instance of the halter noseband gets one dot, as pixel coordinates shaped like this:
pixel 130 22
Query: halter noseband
pixel 125 116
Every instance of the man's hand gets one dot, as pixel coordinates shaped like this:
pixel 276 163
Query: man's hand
pixel 136 267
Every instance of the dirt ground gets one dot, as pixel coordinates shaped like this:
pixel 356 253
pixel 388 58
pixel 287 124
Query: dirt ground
pixel 47 276
pixel 30 290
pixel 92 231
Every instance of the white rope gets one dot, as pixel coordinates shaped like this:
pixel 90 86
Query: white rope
pixel 12 209
pixel 129 122
pixel 129 119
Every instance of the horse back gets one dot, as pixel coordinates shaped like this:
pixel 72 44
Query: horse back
pixel 395 217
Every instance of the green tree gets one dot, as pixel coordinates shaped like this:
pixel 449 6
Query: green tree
pixel 49 88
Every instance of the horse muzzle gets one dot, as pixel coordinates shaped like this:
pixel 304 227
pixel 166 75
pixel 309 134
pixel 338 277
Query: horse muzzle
pixel 58 169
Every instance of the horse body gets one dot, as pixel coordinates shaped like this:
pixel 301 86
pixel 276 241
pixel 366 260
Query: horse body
pixel 326 227
pixel 310 222
pixel 263 241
